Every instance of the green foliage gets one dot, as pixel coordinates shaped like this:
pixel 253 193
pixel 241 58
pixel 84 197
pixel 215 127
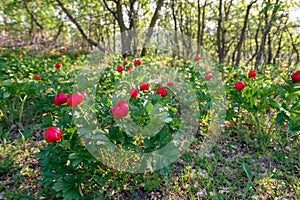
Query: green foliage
pixel 263 118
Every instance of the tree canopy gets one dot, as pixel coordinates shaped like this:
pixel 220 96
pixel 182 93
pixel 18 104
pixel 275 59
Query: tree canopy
pixel 256 31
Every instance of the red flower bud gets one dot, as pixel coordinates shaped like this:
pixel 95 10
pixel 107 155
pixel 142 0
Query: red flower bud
pixel 162 92
pixel 208 76
pixel 133 92
pixel 252 74
pixel 130 69
pixel 197 57
pixel 120 68
pixel 53 134
pixel 239 85
pixel 144 86
pixel 60 99
pixel 37 77
pixel 83 94
pixel 75 99
pixel 170 83
pixel 296 76
pixel 120 110
pixel 58 65
pixel 137 62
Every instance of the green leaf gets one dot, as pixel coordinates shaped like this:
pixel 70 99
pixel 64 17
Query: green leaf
pixel 6 95
pixel 149 106
pixel 61 185
pixel 72 194
pixel 281 117
pixel 172 109
pixel 101 180
pixel 248 171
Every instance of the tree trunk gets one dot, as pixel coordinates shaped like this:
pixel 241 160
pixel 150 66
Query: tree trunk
pixel 225 48
pixel 242 35
pixel 256 43
pixel 294 47
pixel 199 26
pixel 154 19
pixel 203 23
pixel 182 31
pixel 125 40
pixel 269 54
pixel 118 15
pixel 114 33
pixel 219 30
pixel 176 49
pixel 133 20
pixel 278 49
pixel 265 34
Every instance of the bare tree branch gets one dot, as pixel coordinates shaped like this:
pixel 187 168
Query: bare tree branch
pixel 90 41
pixel 32 16
pixel 154 19
pixel 110 10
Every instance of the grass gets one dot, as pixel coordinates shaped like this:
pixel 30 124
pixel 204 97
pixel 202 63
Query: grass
pixel 232 170
pixel 19 169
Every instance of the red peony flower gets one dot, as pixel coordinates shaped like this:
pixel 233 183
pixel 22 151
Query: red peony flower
pixel 37 77
pixel 252 74
pixel 120 68
pixel 60 99
pixel 239 85
pixel 58 65
pixel 172 65
pixel 120 110
pixel 184 62
pixel 197 57
pixel 53 134
pixel 125 62
pixel 208 76
pixel 133 92
pixel 77 55
pixel 137 62
pixel 144 86
pixel 296 76
pixel 83 94
pixel 130 69
pixel 75 99
pixel 19 56
pixel 170 83
pixel 162 92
